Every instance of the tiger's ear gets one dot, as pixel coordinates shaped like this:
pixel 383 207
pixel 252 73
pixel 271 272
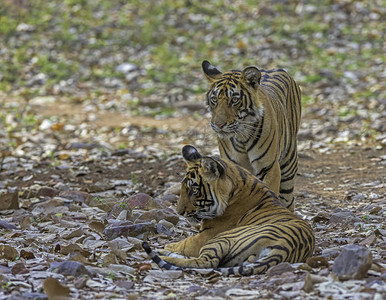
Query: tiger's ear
pixel 252 76
pixel 211 72
pixel 211 169
pixel 190 154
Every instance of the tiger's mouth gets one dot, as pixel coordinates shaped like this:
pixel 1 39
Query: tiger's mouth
pixel 199 215
pixel 223 131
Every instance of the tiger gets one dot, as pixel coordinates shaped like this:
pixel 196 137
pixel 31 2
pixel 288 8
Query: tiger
pixel 256 117
pixel 244 230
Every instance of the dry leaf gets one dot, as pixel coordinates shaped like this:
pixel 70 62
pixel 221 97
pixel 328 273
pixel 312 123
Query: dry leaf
pixel 97 226
pixel 109 259
pixel 369 241
pixel 8 252
pixel 19 268
pixel 74 248
pixel 75 233
pixel 144 267
pixel 55 290
pixel 26 254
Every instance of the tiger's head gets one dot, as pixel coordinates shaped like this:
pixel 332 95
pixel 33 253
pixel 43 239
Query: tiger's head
pixel 233 101
pixel 205 189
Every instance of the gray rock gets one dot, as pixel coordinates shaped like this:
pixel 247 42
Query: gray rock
pixel 164 227
pixel 9 201
pixel 76 196
pixel 340 216
pixel 47 192
pixel 130 230
pixel 126 68
pixel 6 225
pixel 73 268
pixel 352 263
pixel 358 197
pixel 280 269
pixel 158 215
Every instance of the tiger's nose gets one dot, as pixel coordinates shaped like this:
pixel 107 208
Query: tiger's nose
pixel 220 125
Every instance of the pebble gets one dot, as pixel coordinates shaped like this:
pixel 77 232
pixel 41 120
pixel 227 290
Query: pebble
pixel 158 215
pixel 70 267
pixel 6 225
pixel 340 216
pixel 9 201
pixel 130 230
pixel 358 197
pixel 280 269
pixel 352 263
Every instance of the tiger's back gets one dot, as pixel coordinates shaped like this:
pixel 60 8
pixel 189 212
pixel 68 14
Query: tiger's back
pixel 282 87
pixel 248 232
pixel 256 115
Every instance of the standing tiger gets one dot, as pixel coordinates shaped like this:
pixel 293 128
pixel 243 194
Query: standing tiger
pixel 256 116
pixel 244 230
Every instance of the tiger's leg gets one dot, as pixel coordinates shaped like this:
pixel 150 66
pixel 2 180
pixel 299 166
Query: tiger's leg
pixel 209 256
pixel 289 169
pixel 186 247
pixel 192 245
pixel 204 261
pixel 272 178
pixel 239 156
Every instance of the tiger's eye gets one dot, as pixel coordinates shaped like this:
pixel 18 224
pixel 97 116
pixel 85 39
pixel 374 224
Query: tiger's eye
pixel 195 190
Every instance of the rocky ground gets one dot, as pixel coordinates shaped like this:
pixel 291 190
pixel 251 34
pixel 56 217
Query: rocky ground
pixel 90 162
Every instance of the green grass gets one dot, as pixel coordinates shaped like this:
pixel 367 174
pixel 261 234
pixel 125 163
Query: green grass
pixel 85 40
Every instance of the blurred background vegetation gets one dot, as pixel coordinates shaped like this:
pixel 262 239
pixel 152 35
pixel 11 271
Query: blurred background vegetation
pixel 146 51
pixel 46 43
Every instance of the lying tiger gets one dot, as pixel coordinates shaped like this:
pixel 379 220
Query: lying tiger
pixel 256 116
pixel 244 230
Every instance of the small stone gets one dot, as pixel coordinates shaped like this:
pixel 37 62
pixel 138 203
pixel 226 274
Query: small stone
pixel 9 201
pixel 8 252
pixel 80 283
pixel 80 145
pixel 158 215
pixel 6 225
pixel 73 268
pixel 340 216
pixel 352 263
pixel 47 192
pixel 129 230
pixel 26 254
pixel 125 68
pixel 358 197
pixel 280 269
pixel 369 241
pixel 164 227
pixel 76 196
pixel 122 268
pixel 49 206
pixel 141 201
pixel 19 268
pixel 125 284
